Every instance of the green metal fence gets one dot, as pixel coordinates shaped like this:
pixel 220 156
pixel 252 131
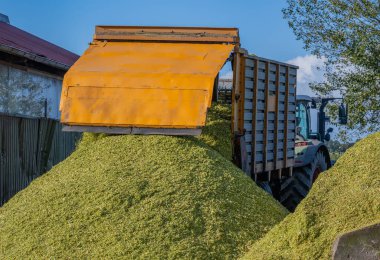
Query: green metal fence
pixel 28 148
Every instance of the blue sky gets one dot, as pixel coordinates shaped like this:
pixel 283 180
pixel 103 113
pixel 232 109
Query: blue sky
pixel 70 23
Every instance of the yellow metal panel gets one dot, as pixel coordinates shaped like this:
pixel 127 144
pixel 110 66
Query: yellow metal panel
pixel 142 84
pixel 136 107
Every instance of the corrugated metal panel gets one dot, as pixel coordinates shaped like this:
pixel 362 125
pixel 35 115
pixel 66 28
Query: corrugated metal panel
pixel 62 146
pixel 28 148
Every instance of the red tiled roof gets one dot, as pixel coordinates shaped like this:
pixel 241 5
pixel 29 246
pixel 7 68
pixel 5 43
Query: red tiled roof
pixel 18 39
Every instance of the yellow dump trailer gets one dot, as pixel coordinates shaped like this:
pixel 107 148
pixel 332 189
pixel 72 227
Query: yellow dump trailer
pixel 145 80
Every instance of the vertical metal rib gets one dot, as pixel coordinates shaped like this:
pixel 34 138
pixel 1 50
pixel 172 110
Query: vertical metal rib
pixel 286 118
pixel 254 114
pixel 266 111
pixel 276 118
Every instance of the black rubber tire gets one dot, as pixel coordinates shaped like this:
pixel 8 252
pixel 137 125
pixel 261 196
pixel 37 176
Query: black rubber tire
pixel 265 186
pixel 295 188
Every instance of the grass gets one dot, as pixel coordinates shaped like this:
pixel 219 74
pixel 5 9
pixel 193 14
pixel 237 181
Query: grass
pixel 344 198
pixel 147 197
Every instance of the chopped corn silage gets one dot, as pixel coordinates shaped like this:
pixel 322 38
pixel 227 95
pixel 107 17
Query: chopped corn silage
pixel 151 197
pixel 217 132
pixel 344 198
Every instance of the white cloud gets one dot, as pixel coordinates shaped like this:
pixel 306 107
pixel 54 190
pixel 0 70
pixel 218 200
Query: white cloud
pixel 311 69
pixel 226 74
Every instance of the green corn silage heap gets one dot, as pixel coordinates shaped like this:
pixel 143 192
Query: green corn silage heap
pixel 344 198
pixel 150 197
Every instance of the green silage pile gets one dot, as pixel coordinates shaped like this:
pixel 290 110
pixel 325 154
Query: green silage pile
pixel 151 197
pixel 217 132
pixel 344 198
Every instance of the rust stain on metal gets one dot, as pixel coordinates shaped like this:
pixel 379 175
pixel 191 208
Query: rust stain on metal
pixel 171 34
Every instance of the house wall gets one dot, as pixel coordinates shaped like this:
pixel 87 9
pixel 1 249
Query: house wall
pixel 29 93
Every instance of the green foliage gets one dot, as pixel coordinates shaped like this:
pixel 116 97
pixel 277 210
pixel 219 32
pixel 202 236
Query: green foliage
pixel 130 197
pixel 337 148
pixel 344 198
pixel 347 34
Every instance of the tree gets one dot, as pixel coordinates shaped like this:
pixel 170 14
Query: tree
pixel 347 34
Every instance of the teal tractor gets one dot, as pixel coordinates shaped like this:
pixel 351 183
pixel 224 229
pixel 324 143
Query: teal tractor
pixel 311 154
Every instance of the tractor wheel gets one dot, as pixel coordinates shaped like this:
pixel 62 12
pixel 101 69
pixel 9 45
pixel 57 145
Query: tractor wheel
pixel 265 186
pixel 295 188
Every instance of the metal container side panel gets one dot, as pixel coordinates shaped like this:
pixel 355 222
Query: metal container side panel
pixel 139 84
pixel 269 114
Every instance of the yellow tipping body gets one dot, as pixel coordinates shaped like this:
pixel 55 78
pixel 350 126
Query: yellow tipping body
pixel 144 84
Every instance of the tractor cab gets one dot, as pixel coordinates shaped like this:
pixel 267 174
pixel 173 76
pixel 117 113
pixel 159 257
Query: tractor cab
pixel 303 126
pixel 303 118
